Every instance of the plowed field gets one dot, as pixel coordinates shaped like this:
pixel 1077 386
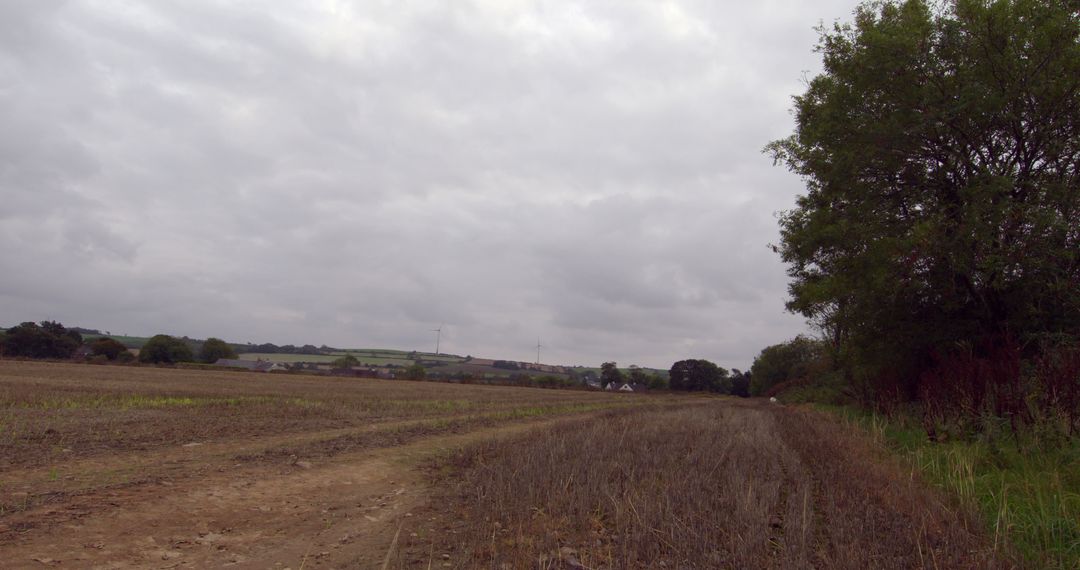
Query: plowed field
pixel 116 467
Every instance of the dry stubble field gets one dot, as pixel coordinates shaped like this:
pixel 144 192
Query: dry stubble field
pixel 113 467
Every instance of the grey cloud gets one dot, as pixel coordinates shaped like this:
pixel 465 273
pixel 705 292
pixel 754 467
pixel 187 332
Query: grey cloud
pixel 355 173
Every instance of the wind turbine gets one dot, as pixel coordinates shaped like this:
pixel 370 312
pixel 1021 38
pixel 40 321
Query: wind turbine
pixel 438 337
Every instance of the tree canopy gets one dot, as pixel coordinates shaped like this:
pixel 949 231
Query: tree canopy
pixel 941 153
pixel 790 360
pixel 109 348
pixel 165 349
pixel 345 362
pixel 48 340
pixel 213 349
pixel 699 375
pixel 740 383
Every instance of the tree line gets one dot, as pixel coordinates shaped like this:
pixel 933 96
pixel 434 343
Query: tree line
pixel 49 339
pixel 52 340
pixel 270 348
pixel 690 375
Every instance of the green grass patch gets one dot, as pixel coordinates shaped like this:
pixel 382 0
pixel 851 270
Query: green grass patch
pixel 380 361
pixel 381 357
pixel 366 359
pixel 374 352
pixel 288 358
pixel 1028 491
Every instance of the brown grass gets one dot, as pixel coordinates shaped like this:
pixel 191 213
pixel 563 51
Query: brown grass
pixel 725 485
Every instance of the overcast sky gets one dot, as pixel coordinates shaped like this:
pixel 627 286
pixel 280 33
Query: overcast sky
pixel 358 173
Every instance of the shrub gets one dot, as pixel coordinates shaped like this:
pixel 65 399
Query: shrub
pixel 799 357
pixel 974 389
pixel 345 362
pixel 967 389
pixel 1058 374
pixel 108 348
pixel 415 372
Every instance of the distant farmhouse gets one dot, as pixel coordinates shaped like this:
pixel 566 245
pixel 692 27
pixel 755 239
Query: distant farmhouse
pixel 626 387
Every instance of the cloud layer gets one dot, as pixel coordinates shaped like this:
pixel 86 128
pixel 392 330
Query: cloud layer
pixel 357 173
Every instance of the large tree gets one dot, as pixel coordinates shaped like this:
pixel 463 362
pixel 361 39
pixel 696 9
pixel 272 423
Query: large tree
pixel 699 375
pixel 214 349
pixel 941 152
pixel 48 340
pixel 165 349
pixel 416 372
pixel 109 348
pixel 740 383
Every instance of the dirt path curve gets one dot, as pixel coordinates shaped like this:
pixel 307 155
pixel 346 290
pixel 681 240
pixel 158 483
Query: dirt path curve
pixel 343 512
pixel 132 467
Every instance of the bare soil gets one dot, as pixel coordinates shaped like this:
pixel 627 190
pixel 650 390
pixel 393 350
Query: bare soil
pixel 286 514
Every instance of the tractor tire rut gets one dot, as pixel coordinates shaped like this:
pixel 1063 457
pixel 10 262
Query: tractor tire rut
pixel 328 514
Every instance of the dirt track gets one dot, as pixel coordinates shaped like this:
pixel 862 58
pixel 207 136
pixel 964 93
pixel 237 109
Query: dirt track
pixel 342 512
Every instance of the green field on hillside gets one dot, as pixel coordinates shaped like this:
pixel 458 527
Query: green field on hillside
pixel 369 357
pixel 326 358
pixel 375 361
pixel 364 353
pixel 275 357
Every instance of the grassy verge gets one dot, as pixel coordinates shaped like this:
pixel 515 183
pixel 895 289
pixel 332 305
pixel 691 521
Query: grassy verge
pixel 1028 489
